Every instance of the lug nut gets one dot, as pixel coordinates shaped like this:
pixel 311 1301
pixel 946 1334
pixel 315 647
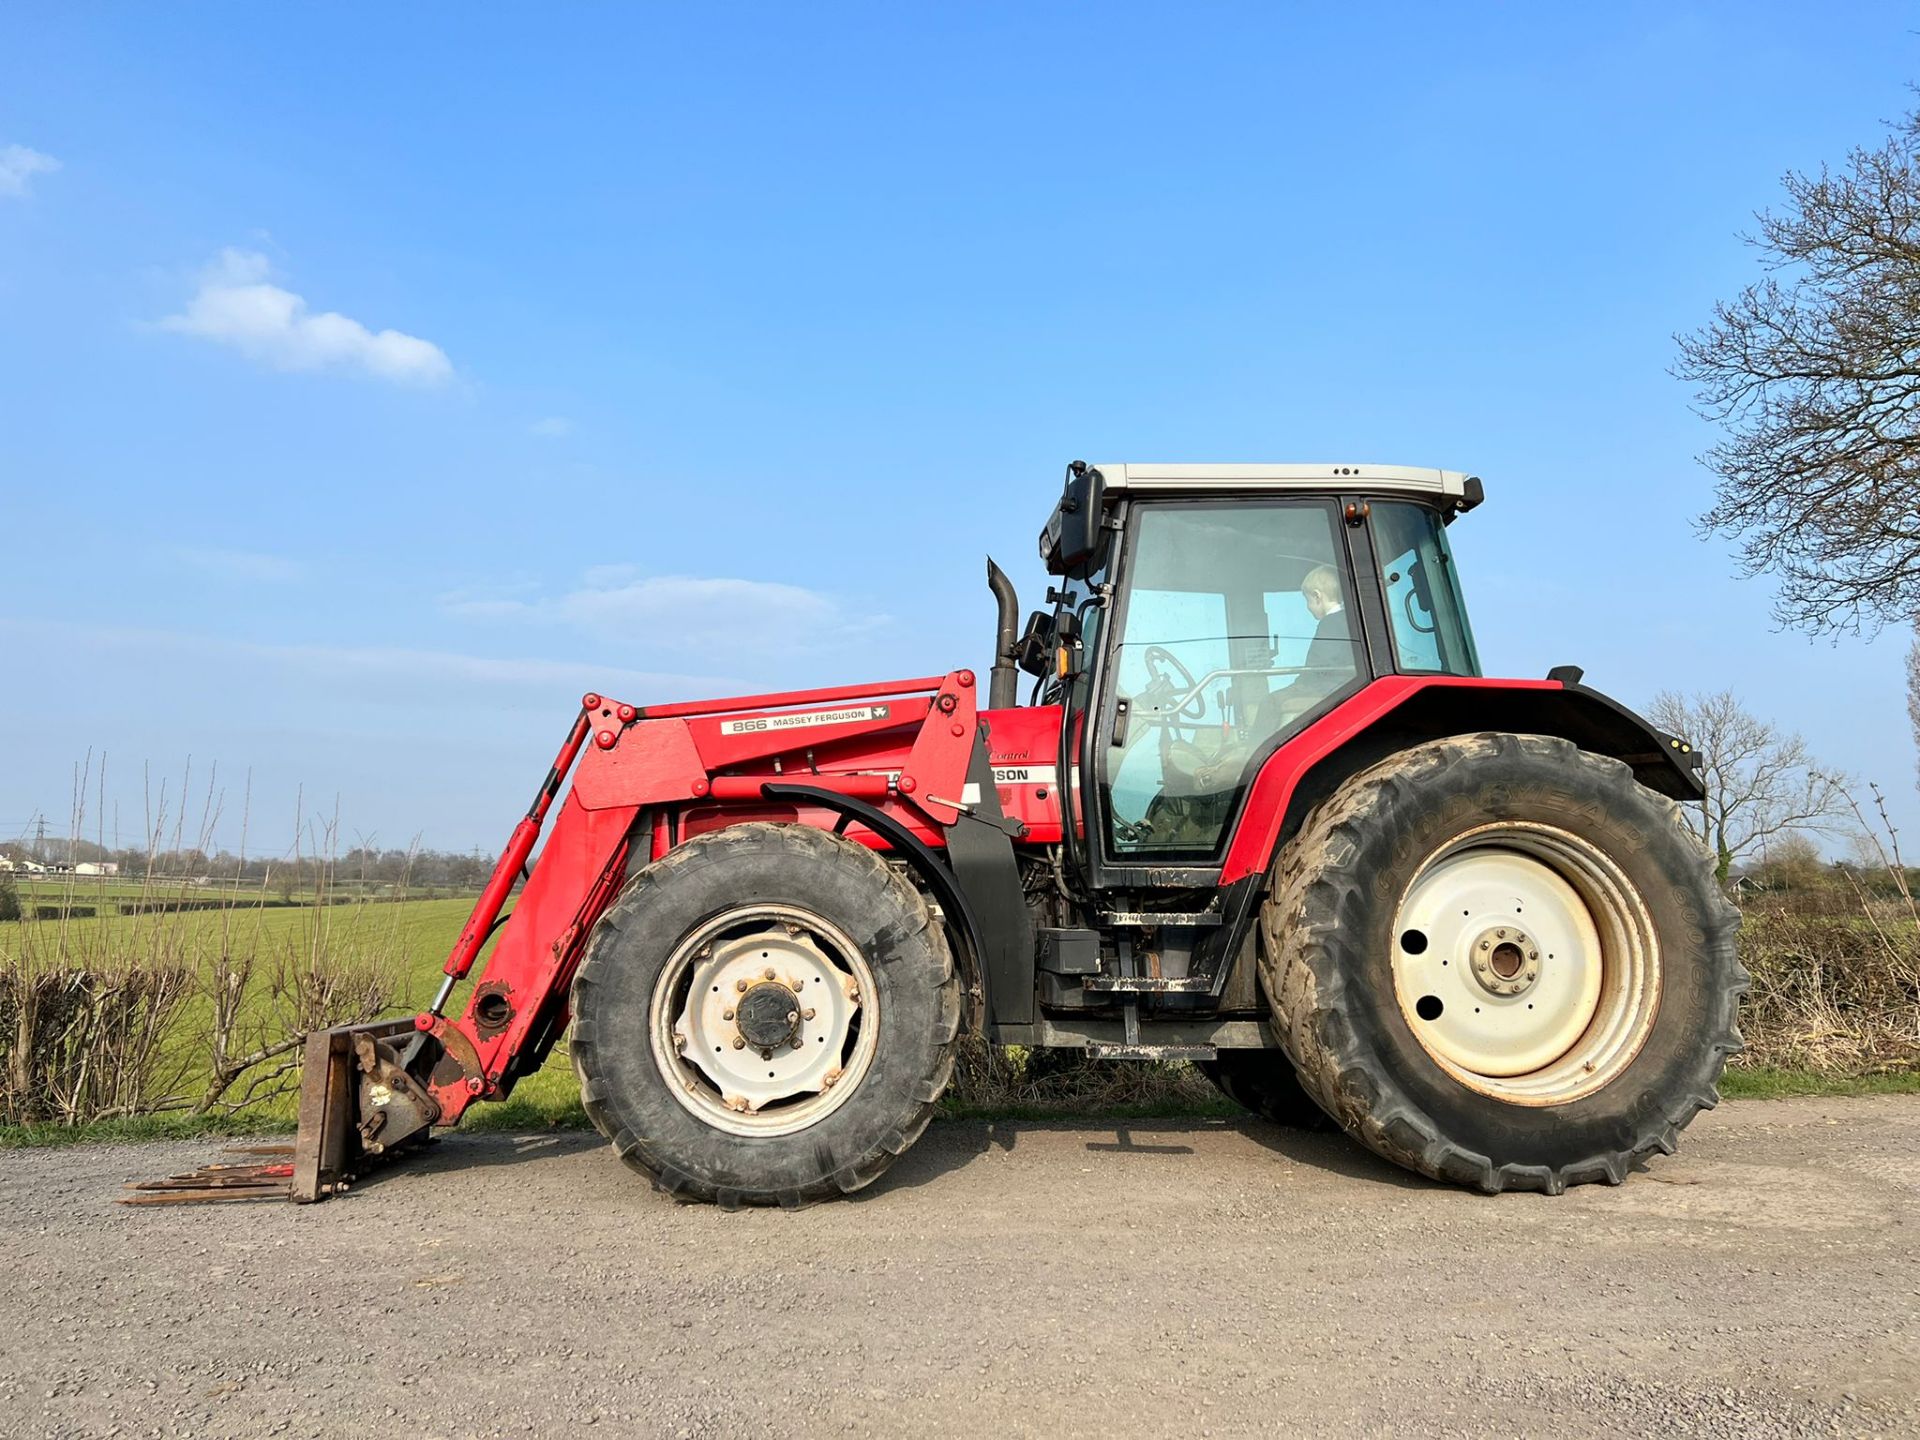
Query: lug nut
pixel 806 1014
pixel 726 1014
pixel 768 972
pixel 738 1043
pixel 740 985
pixel 766 1054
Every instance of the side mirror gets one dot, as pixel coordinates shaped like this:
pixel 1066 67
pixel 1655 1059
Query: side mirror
pixel 1034 652
pixel 1073 540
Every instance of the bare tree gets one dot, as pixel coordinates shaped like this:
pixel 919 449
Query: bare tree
pixel 1790 862
pixel 1913 690
pixel 1761 783
pixel 1814 374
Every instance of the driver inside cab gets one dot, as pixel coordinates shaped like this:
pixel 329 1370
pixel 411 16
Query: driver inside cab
pixel 1329 659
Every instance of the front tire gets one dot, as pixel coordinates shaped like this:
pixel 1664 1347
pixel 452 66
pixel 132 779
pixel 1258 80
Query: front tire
pixel 766 1015
pixel 1498 960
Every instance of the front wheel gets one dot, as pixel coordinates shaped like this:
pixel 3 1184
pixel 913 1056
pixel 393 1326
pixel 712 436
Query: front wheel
pixel 766 1015
pixel 1498 960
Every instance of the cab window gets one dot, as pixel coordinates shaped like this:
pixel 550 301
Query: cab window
pixel 1424 607
pixel 1237 625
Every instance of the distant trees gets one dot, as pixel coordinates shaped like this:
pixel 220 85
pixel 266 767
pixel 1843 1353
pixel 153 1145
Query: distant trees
pixel 1790 862
pixel 1813 373
pixel 371 867
pixel 1762 785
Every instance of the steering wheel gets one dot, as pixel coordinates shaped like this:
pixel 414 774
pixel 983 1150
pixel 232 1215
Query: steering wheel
pixel 1163 666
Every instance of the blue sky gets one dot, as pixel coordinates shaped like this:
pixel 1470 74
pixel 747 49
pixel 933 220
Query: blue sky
pixel 374 381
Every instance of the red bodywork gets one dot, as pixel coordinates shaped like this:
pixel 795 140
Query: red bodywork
pixel 659 775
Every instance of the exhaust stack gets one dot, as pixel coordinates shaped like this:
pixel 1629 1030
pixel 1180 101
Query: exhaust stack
pixel 1001 689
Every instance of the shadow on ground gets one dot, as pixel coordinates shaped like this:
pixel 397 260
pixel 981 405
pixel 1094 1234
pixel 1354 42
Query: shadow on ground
pixel 951 1145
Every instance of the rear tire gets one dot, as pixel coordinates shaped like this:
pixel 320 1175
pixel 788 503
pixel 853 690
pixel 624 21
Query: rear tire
pixel 847 1004
pixel 1548 900
pixel 1264 1082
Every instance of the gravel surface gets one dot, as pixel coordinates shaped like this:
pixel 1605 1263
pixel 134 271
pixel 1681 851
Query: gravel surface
pixel 1169 1277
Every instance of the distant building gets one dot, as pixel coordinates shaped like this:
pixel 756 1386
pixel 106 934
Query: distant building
pixel 102 867
pixel 22 866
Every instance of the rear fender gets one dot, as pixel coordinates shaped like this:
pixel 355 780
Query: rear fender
pixel 1402 710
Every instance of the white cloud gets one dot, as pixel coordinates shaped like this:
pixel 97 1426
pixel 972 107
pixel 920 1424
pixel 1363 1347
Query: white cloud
pixel 389 670
pixel 553 427
pixel 241 564
pixel 720 615
pixel 237 306
pixel 18 165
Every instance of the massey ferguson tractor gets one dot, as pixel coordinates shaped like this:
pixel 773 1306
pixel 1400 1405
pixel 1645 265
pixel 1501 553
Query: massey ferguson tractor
pixel 1260 812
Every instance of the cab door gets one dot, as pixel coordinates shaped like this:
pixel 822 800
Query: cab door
pixel 1234 624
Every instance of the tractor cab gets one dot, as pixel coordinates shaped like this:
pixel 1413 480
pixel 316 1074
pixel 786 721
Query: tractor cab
pixel 1205 614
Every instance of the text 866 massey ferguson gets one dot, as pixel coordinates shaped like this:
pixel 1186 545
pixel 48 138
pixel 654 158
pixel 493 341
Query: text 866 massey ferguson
pixel 1262 812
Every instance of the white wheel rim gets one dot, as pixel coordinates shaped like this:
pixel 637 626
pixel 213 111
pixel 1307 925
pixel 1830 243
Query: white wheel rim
pixel 764 1020
pixel 1526 964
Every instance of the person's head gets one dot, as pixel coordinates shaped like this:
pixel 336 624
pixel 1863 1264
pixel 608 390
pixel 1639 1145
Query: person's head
pixel 1321 591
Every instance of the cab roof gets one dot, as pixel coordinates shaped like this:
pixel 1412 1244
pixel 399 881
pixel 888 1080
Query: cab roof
pixel 1446 485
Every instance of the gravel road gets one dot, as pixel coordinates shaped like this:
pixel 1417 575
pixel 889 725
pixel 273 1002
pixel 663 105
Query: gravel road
pixel 1168 1277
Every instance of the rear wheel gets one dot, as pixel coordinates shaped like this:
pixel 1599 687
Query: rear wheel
pixel 1497 959
pixel 766 1015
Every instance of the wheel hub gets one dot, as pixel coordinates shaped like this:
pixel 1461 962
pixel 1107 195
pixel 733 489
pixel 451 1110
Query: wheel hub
pixel 768 1015
pixel 762 1018
pixel 1505 960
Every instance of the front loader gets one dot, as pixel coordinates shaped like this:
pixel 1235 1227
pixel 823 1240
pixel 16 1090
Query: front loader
pixel 1261 811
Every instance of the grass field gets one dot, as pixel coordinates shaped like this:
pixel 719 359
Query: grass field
pixel 406 943
pixel 415 934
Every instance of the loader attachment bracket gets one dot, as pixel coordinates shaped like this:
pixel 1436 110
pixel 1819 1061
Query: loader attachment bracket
pixel 340 1070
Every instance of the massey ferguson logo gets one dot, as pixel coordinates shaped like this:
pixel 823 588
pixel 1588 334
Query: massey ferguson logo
pixel 811 717
pixel 1025 774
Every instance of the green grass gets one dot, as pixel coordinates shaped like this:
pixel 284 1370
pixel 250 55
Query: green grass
pixel 407 942
pixel 1767 1083
pixel 143 1127
pixel 415 934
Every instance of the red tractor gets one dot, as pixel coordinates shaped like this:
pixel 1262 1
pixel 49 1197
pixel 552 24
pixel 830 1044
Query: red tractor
pixel 1261 812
